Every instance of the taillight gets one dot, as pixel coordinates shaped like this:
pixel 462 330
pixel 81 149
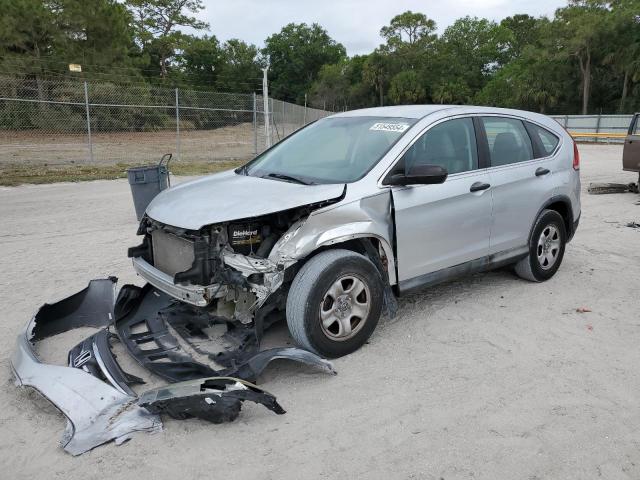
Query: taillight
pixel 576 156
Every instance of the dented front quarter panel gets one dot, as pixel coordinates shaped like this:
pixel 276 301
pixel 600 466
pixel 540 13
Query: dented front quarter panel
pixel 366 217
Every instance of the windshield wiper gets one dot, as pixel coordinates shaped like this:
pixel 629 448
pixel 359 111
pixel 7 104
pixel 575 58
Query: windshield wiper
pixel 287 178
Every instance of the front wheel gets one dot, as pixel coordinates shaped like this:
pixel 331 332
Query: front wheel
pixel 546 248
pixel 334 303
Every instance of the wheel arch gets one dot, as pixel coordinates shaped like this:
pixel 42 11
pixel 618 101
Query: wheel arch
pixel 562 205
pixel 367 244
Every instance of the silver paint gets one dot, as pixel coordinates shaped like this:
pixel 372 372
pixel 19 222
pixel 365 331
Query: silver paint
pixel 96 412
pixel 438 226
pixel 229 196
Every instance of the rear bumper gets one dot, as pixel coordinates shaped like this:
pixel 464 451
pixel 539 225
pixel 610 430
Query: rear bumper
pixel 197 295
pixel 574 227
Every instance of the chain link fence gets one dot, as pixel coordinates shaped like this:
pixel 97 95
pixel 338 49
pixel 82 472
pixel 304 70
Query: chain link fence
pixel 45 122
pixel 72 122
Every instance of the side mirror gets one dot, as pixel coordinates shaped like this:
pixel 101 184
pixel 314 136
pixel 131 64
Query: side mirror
pixel 420 175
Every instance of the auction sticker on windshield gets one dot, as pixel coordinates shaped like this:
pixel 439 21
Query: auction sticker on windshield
pixel 389 127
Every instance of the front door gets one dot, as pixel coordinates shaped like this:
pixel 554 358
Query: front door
pixel 631 153
pixel 444 225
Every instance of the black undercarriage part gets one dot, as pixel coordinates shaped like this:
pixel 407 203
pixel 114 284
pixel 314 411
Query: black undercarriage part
pixel 143 317
pixel 215 400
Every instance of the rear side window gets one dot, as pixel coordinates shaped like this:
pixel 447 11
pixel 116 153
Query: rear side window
pixel 508 141
pixel 548 140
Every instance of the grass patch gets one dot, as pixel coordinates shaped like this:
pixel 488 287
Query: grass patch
pixel 12 175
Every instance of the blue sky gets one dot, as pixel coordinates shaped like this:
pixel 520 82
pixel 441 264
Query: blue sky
pixel 354 23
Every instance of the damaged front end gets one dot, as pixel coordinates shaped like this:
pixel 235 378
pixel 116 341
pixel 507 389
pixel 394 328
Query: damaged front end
pixel 227 267
pixel 169 338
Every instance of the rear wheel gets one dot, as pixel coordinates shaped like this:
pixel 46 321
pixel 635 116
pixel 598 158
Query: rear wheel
pixel 546 248
pixel 334 303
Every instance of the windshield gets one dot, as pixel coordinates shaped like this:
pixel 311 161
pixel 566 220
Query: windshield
pixel 332 150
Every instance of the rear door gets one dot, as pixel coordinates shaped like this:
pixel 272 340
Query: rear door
pixel 631 153
pixel 440 226
pixel 520 182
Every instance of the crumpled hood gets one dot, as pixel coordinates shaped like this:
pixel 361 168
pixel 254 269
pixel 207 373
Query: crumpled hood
pixel 229 196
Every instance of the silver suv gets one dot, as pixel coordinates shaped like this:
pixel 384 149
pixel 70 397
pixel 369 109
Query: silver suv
pixel 336 221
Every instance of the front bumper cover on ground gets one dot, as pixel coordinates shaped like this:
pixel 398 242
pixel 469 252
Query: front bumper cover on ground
pixel 94 392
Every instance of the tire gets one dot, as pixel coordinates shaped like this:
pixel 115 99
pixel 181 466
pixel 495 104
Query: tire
pixel 546 248
pixel 334 303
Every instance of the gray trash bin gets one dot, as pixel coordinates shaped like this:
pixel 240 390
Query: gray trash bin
pixel 148 181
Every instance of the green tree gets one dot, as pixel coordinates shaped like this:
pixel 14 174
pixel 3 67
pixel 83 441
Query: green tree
pixel 376 72
pixel 94 32
pixel 201 60
pixel 331 89
pixel 241 68
pixel 523 30
pixel 451 92
pixel 624 55
pixel 579 29
pixel 296 55
pixel 27 33
pixel 409 28
pixel 407 88
pixel 157 24
pixel 470 50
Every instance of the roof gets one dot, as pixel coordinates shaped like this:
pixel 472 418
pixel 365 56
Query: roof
pixel 406 111
pixel 420 111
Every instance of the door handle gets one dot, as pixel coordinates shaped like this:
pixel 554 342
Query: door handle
pixel 476 187
pixel 541 171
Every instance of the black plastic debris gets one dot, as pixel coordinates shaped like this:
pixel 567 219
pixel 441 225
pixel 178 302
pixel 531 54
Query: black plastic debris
pixel 142 324
pixel 215 400
pixel 90 307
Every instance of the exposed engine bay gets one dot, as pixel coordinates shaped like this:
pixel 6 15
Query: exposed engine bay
pixel 233 265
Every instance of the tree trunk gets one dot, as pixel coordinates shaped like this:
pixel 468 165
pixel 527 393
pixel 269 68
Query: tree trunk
pixel 625 90
pixel 585 67
pixel 163 67
pixel 381 93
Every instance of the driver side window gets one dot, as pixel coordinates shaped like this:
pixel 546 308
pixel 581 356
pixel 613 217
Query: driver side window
pixel 450 144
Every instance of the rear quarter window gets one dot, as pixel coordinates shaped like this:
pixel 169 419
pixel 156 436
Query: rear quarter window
pixel 547 141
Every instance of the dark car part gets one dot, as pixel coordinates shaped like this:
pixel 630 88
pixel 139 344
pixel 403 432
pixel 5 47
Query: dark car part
pixel 90 307
pixel 94 356
pixel 215 400
pixel 142 318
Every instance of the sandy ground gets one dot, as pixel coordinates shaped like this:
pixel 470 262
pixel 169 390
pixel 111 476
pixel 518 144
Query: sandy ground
pixel 489 377
pixel 226 143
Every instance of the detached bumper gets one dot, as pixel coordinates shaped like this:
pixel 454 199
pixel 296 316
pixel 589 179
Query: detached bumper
pixel 93 391
pixel 193 294
pixel 96 411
